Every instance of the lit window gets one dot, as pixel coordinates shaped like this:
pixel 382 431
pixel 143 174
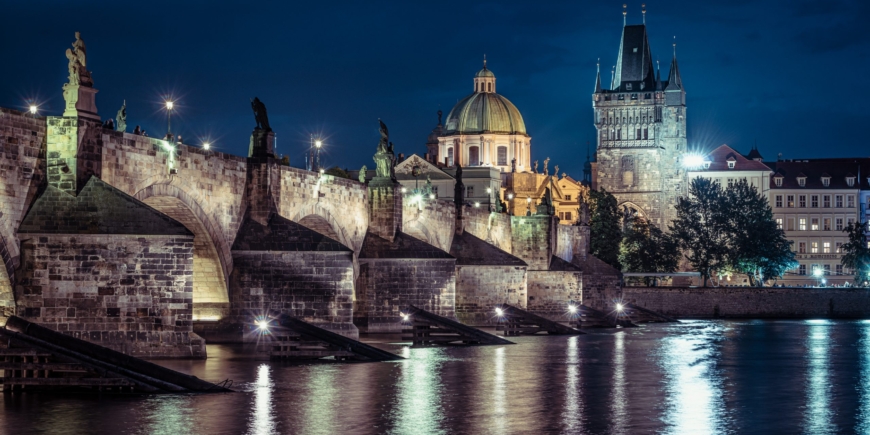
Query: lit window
pixel 814 247
pixel 814 201
pixel 779 223
pixel 826 181
pixel 802 269
pixel 568 216
pixel 826 224
pixel 814 224
pixel 802 181
pixel 802 201
pixel 850 181
pixel 839 224
pixel 779 200
pixel 839 246
pixel 838 201
pixel 450 156
pixel 567 197
pixel 826 201
pixel 802 224
pixel 730 182
pixel 469 191
pixel 826 247
pixel 778 181
pixel 790 200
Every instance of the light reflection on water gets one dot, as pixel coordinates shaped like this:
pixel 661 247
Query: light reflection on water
pixel 696 377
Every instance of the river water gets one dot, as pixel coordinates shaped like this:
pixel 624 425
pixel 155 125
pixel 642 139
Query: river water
pixel 695 377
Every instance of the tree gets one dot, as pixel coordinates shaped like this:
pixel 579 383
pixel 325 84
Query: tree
pixel 604 227
pixel 337 172
pixel 700 228
pixel 856 253
pixel 756 246
pixel 646 248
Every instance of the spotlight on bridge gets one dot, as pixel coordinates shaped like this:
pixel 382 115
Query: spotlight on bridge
pixel 404 190
pixel 322 171
pixel 262 324
pixel 33 109
pixel 693 161
pixel 206 146
pixel 318 144
pixel 405 317
pixel 169 105
pixel 431 196
pixel 477 204
pixel 619 307
pixel 572 308
pixel 499 312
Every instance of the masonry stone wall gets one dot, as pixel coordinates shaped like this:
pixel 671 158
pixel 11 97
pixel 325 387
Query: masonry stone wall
pixel 571 241
pixel 532 240
pixel 602 289
pixel 316 287
pixel 385 287
pixel 130 293
pixel 480 288
pixel 495 228
pixel 22 146
pixel 749 302
pixel 433 223
pixel 550 292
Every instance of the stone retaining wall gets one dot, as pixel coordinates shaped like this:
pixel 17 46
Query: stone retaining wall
pixel 749 302
pixel 480 288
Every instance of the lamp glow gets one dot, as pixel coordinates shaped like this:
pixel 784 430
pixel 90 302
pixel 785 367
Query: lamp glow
pixel 404 190
pixel 619 307
pixel 510 196
pixel 693 161
pixel 169 105
pixel 206 146
pixel 572 308
pixel 318 144
pixel 817 272
pixel 262 325
pixel 477 204
pixel 406 317
pixel 33 109
pixel 499 312
pixel 322 171
pixel 529 200
pixel 431 196
pixel 489 190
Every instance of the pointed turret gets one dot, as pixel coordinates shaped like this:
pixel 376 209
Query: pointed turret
pixel 675 82
pixel 598 77
pixel 634 68
pixel 658 76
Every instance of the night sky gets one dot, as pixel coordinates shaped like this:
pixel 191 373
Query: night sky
pixel 765 71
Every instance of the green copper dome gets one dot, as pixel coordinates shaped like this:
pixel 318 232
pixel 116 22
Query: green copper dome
pixel 485 112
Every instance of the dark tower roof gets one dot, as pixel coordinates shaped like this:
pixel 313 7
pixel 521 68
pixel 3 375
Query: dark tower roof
pixel 598 79
pixel 675 82
pixel 634 64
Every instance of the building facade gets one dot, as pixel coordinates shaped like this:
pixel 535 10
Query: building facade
pixel 641 124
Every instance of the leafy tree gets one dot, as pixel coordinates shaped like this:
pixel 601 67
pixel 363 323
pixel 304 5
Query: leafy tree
pixel 646 248
pixel 337 172
pixel 700 227
pixel 756 247
pixel 605 228
pixel 856 253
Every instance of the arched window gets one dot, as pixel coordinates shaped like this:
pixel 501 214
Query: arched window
pixel 489 87
pixel 627 171
pixel 474 156
pixel 502 156
pixel 450 154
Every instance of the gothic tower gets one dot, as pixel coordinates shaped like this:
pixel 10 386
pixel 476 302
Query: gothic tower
pixel 641 123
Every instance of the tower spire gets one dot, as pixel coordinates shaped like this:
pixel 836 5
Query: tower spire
pixel 612 75
pixel 624 14
pixel 658 75
pixel 598 76
pixel 484 60
pixel 675 82
pixel 643 12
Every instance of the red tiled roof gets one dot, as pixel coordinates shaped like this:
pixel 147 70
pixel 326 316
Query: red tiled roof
pixel 719 158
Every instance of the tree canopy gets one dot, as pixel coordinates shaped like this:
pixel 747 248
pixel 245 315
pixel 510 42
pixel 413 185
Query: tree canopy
pixel 605 230
pixel 646 248
pixel 856 253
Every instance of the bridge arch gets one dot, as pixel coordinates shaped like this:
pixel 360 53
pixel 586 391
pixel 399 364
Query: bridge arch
pixel 7 270
pixel 322 220
pixel 212 259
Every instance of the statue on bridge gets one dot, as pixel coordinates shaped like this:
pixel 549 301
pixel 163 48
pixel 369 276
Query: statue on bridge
pixel 77 57
pixel 121 121
pixel 385 158
pixel 362 174
pixel 260 114
pixel 459 192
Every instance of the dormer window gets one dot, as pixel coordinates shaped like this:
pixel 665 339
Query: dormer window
pixel 802 181
pixel 706 164
pixel 628 86
pixel 777 181
pixel 731 164
pixel 826 181
pixel 850 181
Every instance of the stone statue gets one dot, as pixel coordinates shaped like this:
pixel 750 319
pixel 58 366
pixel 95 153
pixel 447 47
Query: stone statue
pixel 459 192
pixel 564 175
pixel 536 167
pixel 546 162
pixel 77 57
pixel 385 158
pixel 362 174
pixel 428 185
pixel 121 125
pixel 556 171
pixel 546 205
pixel 260 114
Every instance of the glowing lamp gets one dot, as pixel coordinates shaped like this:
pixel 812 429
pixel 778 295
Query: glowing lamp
pixel 406 317
pixel 529 200
pixel 619 307
pixel 489 190
pixel 404 190
pixel 817 272
pixel 572 308
pixel 322 171
pixel 169 105
pixel 510 196
pixel 477 204
pixel 262 324
pixel 431 196
pixel 318 144
pixel 206 146
pixel 499 312
pixel 32 109
pixel 693 161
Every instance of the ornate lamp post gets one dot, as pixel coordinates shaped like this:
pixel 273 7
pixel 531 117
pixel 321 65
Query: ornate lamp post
pixel 169 106
pixel 529 206
pixel 510 204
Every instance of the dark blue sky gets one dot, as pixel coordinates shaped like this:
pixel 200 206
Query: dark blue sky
pixel 765 71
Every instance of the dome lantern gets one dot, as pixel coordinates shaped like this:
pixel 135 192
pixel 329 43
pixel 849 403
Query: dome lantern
pixel 484 80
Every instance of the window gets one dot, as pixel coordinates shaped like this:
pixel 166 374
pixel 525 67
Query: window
pixel 791 224
pixel 802 224
pixel 469 191
pixel 450 156
pixel 839 269
pixel 730 183
pixel 474 156
pixel 850 221
pixel 814 201
pixel 839 224
pixel 802 269
pixel 779 223
pixel 850 201
pixel 778 181
pixel 814 247
pixel 802 201
pixel 802 247
pixel 814 268
pixel 850 181
pixel 779 200
pixel 826 247
pixel 502 156
pixel 435 190
pixel 826 201
pixel 488 87
pixel 627 171
pixel 826 181
pixel 814 224
pixel 838 201
pixel 731 165
pixel 838 246
pixel 826 224
pixel 638 134
pixel 566 216
pixel 790 200
pixel 802 181
pixel 567 197
pixel 646 132
pixel 827 269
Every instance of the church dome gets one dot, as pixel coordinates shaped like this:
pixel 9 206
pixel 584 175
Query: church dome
pixel 485 111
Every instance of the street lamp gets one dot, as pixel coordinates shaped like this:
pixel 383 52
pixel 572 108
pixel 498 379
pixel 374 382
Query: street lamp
pixel 206 146
pixel 169 106
pixel 33 109
pixel 529 206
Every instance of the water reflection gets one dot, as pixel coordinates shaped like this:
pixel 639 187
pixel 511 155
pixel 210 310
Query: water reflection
pixel 863 425
pixel 818 408
pixel 693 388
pixel 262 420
pixel 618 398
pixel 419 409
pixel 498 393
pixel 571 416
pixel 322 401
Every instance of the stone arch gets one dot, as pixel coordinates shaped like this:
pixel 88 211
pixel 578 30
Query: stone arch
pixel 640 211
pixel 321 219
pixel 7 274
pixel 212 261
pixel 418 231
